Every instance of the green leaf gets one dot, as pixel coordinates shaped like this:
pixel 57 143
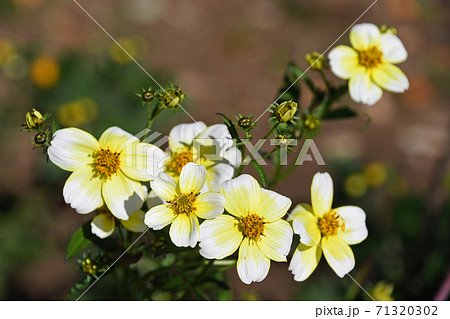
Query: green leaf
pixel 77 243
pixel 55 126
pixel 232 129
pixel 290 89
pixel 261 173
pixel 340 113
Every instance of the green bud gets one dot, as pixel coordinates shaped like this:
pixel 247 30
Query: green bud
pixel 385 29
pixel 172 97
pixel 147 96
pixel 245 123
pixel 315 60
pixel 285 112
pixel 40 138
pixel 89 267
pixel 312 122
pixel 34 119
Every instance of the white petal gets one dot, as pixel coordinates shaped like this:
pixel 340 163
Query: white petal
pixel 159 217
pixel 142 161
pixel 305 224
pixel 72 148
pixel 364 35
pixel 362 89
pixel 83 190
pixel 136 222
pixel 182 135
pixel 217 174
pixel 122 195
pixel 344 61
pixel 219 237
pixel 116 139
pixel 232 155
pixel 184 230
pixel 393 49
pixel 277 240
pixel 355 230
pixel 304 261
pixel 192 178
pixel 242 195
pixel 321 193
pixel 153 200
pixel 272 206
pixel 165 187
pixel 103 225
pixel 338 254
pixel 216 131
pixel 209 205
pixel 390 77
pixel 252 265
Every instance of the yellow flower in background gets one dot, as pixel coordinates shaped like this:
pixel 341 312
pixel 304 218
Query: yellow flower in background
pixel 369 64
pixel 6 50
pixel 382 291
pixel 78 112
pixel 106 171
pixel 134 46
pixel 44 72
pixel 375 174
pixel 185 204
pixel 256 227
pixel 322 228
pixel 355 185
pixel 210 146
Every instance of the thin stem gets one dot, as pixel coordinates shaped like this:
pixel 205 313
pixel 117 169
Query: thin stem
pixel 271 130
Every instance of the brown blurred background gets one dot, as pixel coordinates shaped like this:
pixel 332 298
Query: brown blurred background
pixel 229 57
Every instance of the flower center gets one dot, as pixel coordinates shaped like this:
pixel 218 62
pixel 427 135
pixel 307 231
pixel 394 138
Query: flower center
pixel 184 203
pixel 371 57
pixel 178 160
pixel 330 223
pixel 106 163
pixel 252 226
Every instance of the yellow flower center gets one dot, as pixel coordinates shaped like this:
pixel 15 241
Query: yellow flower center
pixel 370 57
pixel 106 163
pixel 178 160
pixel 252 226
pixel 185 203
pixel 330 223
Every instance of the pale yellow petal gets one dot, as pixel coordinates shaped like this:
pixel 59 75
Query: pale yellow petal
pixel 305 224
pixel 209 205
pixel 219 237
pixel 277 240
pixel 103 225
pixel 393 49
pixel 362 88
pixel 135 222
pixel 192 178
pixel 83 190
pixel 252 265
pixel 242 195
pixel 390 77
pixel 72 148
pixel 304 261
pixel 321 193
pixel 165 187
pixel 272 206
pixel 355 230
pixel 142 161
pixel 344 61
pixel 182 135
pixel 184 230
pixel 116 139
pixel 338 254
pixel 364 35
pixel 160 216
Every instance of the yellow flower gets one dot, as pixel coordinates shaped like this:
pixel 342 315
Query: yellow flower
pixel 322 228
pixel 34 119
pixel 77 112
pixel 355 185
pixel 185 204
pixel 255 227
pixel 369 63
pixel 45 72
pixel 285 112
pixel 210 146
pixel 375 174
pixel 106 171
pixel 382 291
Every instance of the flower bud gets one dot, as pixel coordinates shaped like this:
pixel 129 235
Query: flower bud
pixel 385 29
pixel 172 97
pixel 285 112
pixel 40 138
pixel 34 119
pixel 312 122
pixel 245 123
pixel 315 60
pixel 147 96
pixel 89 267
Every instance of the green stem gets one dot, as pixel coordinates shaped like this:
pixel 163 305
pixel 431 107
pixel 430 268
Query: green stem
pixel 271 130
pixel 325 80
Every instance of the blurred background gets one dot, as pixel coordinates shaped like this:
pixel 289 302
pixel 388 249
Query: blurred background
pixel 228 57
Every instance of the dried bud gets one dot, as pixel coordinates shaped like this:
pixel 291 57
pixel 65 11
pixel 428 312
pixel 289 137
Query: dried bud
pixel 40 138
pixel 34 119
pixel 315 60
pixel 285 112
pixel 89 267
pixel 147 96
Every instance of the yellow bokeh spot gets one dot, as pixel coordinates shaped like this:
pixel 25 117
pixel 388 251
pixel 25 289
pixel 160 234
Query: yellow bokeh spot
pixel 375 174
pixel 355 185
pixel 77 112
pixel 382 291
pixel 45 72
pixel 6 50
pixel 131 45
